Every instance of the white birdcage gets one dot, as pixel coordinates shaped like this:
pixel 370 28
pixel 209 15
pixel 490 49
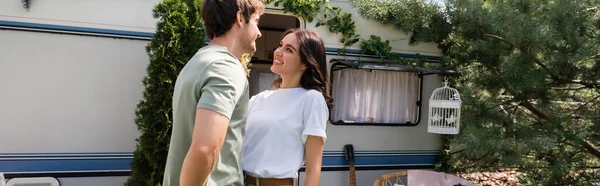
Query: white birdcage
pixel 444 110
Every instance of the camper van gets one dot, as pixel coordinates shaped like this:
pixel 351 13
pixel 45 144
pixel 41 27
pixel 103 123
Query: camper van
pixel 71 75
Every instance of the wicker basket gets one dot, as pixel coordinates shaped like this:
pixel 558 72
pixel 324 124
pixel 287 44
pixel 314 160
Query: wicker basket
pixel 386 179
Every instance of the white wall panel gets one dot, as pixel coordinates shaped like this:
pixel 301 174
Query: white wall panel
pixel 69 93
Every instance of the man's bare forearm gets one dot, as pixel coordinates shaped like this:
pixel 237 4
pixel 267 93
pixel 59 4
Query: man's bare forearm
pixel 197 166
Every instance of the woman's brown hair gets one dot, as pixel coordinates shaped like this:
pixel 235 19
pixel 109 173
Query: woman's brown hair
pixel 312 54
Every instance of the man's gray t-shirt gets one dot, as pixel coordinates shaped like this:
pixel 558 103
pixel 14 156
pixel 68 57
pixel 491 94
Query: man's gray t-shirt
pixel 213 79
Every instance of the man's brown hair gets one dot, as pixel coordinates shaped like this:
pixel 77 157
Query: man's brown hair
pixel 219 15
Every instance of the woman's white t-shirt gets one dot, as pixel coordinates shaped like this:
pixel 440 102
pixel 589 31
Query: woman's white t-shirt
pixel 279 123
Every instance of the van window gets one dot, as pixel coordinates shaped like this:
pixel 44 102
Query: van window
pixel 375 97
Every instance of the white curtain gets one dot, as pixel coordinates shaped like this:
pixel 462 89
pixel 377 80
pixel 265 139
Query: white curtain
pixel 374 96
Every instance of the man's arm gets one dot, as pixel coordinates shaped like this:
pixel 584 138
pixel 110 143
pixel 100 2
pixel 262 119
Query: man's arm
pixel 222 86
pixel 209 134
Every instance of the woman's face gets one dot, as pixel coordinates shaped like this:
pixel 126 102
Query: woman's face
pixel 286 58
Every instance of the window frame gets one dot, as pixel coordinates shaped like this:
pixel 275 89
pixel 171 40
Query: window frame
pixel 339 64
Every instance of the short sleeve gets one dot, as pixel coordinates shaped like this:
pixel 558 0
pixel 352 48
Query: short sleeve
pixel 252 101
pixel 221 86
pixel 315 114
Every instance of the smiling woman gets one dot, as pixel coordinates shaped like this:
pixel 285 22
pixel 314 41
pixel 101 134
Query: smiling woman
pixel 286 124
pixel 272 26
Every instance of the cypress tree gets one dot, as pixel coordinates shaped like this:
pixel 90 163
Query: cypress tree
pixel 179 34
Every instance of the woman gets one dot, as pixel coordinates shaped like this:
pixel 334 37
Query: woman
pixel 286 125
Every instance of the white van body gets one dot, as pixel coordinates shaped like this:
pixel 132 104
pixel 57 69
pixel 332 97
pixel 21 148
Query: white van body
pixel 71 75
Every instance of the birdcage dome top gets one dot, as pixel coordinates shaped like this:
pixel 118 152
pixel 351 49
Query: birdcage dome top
pixel 445 93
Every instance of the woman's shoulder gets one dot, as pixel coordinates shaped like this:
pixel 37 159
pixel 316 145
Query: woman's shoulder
pixel 264 92
pixel 261 95
pixel 314 96
pixel 313 93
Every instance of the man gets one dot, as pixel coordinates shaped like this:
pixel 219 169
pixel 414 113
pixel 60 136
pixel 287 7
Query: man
pixel 210 99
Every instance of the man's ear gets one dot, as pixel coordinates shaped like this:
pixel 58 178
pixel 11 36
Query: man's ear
pixel 240 19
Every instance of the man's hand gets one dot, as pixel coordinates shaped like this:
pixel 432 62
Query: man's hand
pixel 209 133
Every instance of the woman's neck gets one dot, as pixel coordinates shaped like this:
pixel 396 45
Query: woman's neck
pixel 290 81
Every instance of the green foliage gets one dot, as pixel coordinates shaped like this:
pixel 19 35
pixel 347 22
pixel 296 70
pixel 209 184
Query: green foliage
pixel 338 22
pixel 306 9
pixel 376 46
pixel 424 21
pixel 531 62
pixel 332 17
pixel 179 34
pixel 26 4
pixel 530 82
